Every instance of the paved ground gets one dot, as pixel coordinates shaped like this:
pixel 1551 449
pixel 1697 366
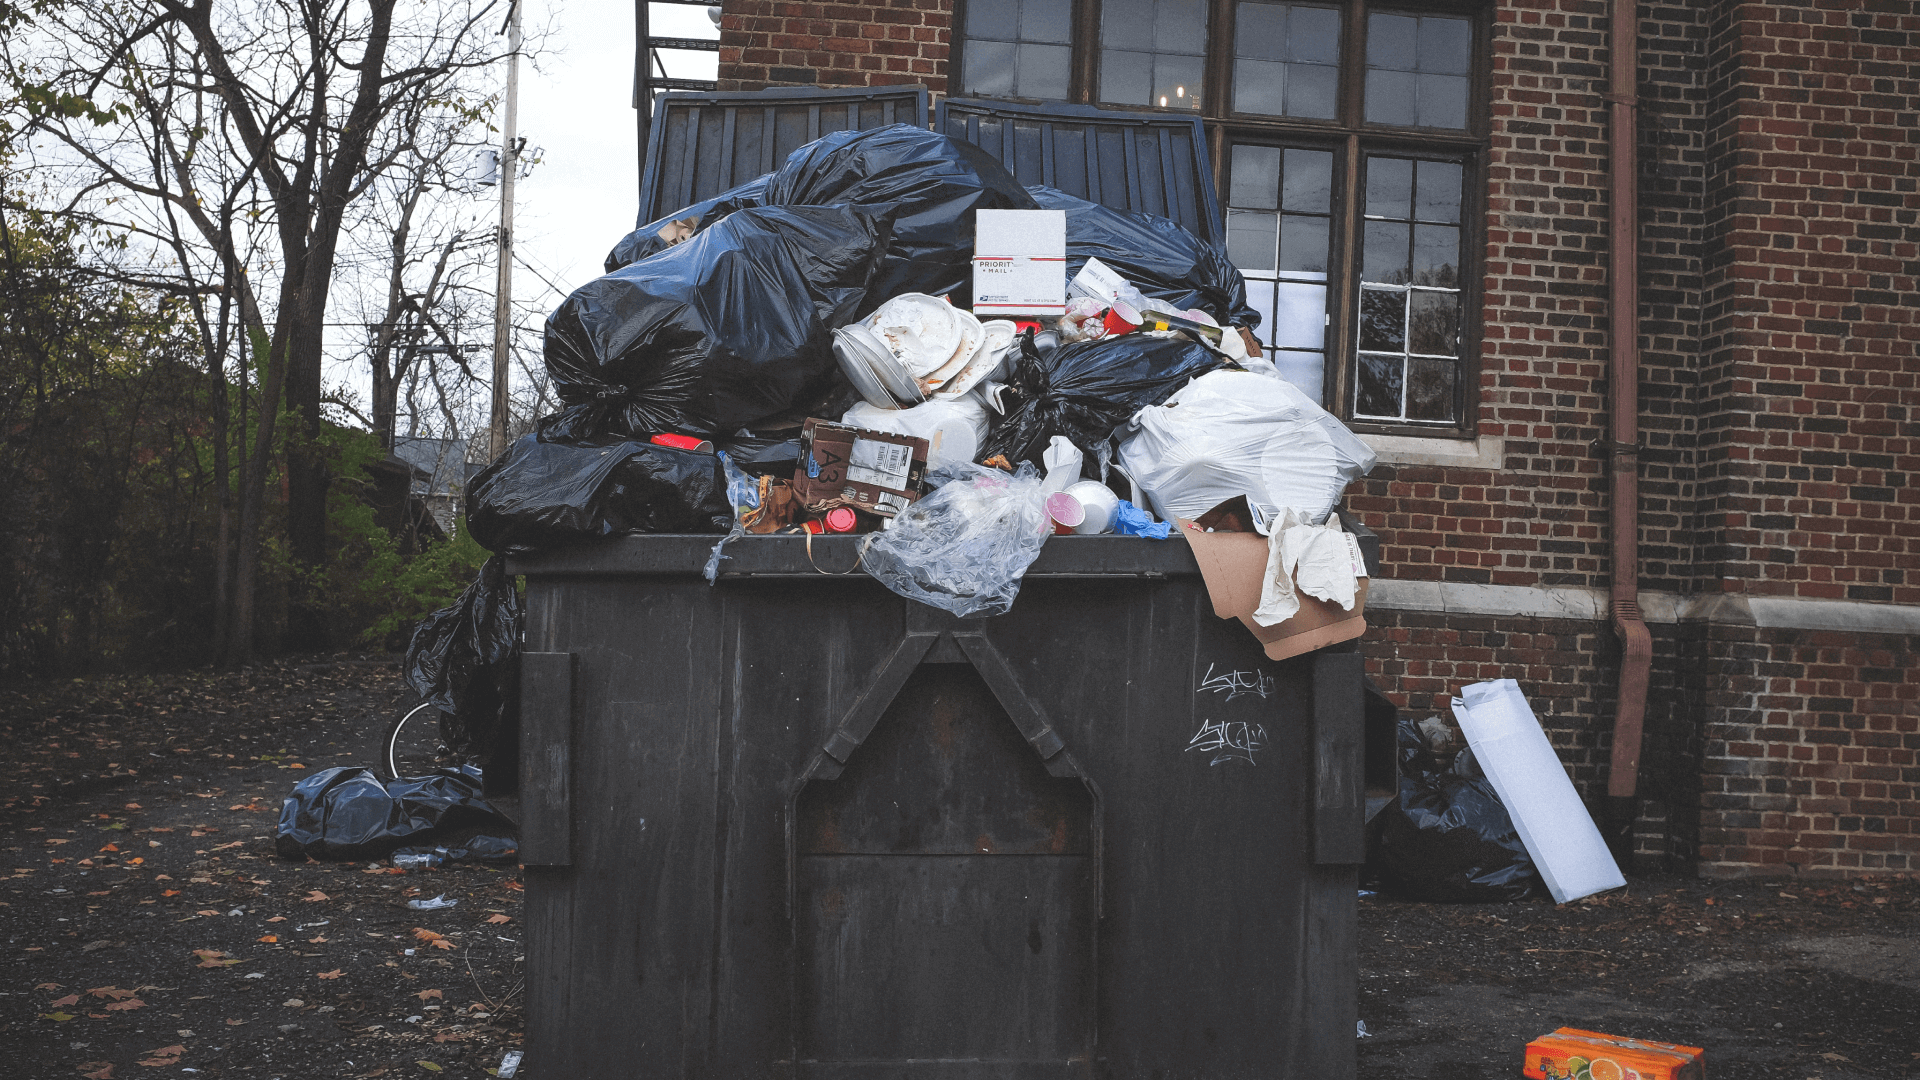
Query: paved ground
pixel 151 932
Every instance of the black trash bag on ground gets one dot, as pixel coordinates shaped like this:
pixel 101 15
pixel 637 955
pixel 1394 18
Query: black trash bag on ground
pixel 926 183
pixel 492 850
pixel 1160 257
pixel 349 813
pixel 1087 389
pixel 716 332
pixel 542 494
pixel 1447 837
pixel 465 659
pixel 647 239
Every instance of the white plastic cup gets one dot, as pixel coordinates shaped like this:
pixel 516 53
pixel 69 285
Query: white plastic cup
pixel 1100 504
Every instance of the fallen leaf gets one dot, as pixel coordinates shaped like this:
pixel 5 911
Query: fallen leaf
pixel 96 1070
pixel 223 847
pixel 427 935
pixel 1830 1056
pixel 70 999
pixel 58 840
pixel 278 918
pixel 235 1023
pixel 113 992
pixel 271 939
pixel 57 1017
pixel 136 860
pixel 292 1003
pixel 165 1056
pixel 516 886
pixel 316 896
pixel 127 1005
pixel 498 919
pixel 295 765
pixel 110 847
pixel 133 806
pixel 428 1065
pixel 334 974
pixel 206 911
pixel 321 940
pixel 430 995
pixel 48 986
pixel 102 892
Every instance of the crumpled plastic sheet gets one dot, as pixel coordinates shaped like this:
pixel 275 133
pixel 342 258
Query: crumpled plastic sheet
pixel 648 239
pixel 1087 389
pixel 465 659
pixel 964 548
pixel 349 813
pixel 1322 561
pixel 1158 255
pixel 1233 433
pixel 1447 837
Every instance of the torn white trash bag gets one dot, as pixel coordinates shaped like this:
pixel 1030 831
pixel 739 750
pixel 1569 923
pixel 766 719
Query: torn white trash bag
pixel 1322 561
pixel 1230 433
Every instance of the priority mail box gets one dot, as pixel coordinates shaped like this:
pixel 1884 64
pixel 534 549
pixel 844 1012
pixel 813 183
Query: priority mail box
pixel 1019 262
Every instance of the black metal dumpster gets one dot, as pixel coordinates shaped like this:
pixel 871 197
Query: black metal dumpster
pixel 793 825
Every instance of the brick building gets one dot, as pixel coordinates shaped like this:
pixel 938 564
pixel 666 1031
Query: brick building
pixel 1420 195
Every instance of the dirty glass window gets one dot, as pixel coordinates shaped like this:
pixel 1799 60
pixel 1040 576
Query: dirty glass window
pixel 1018 48
pixel 1409 354
pixel 1153 52
pixel 1279 216
pixel 1286 60
pixel 1417 70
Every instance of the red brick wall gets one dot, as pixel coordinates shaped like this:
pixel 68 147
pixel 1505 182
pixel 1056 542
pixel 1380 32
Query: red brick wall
pixel 872 43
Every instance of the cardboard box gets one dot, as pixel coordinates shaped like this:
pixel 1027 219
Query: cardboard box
pixel 1019 262
pixel 1233 565
pixel 875 471
pixel 1572 1054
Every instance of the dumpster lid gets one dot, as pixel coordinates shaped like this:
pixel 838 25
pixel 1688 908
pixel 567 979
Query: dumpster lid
pixel 1148 163
pixel 704 143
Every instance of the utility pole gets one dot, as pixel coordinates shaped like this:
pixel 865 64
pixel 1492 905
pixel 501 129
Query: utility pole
pixel 503 286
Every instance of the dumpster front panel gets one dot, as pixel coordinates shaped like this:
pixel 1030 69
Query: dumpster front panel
pixel 821 831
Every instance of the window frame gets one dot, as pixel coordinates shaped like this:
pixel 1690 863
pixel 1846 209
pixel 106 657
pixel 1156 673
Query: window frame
pixel 1351 138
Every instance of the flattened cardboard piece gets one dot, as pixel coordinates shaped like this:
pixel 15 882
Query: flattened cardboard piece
pixel 876 471
pixel 1233 564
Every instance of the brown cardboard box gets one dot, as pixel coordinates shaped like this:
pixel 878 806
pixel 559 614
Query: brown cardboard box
pixel 875 471
pixel 1233 563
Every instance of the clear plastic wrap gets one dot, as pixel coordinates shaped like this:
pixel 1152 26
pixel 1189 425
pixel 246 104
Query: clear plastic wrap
pixel 964 548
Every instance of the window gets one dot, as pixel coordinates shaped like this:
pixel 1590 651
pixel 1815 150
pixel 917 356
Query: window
pixel 1348 145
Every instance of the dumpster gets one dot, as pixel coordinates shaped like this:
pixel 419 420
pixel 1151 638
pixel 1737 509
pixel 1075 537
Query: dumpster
pixel 790 824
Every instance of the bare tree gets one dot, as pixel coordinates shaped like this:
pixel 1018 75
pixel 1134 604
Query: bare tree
pixel 281 113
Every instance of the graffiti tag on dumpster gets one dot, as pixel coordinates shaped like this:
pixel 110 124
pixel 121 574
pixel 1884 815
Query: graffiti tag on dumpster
pixel 1229 740
pixel 1236 683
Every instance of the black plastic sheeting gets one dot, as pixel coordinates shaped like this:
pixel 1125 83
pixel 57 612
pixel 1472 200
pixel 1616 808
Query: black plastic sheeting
pixel 1160 257
pixel 717 332
pixel 646 240
pixel 1447 837
pixel 465 659
pixel 348 813
pixel 540 495
pixel 493 850
pixel 1086 390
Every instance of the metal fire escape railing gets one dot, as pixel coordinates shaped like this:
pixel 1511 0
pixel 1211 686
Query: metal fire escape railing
pixel 650 71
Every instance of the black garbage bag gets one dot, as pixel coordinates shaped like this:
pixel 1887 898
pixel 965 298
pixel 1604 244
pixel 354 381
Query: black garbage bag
pixel 492 850
pixel 1447 837
pixel 349 813
pixel 1087 389
pixel 465 659
pixel 716 332
pixel 764 455
pixel 1159 255
pixel 542 494
pixel 647 238
pixel 926 183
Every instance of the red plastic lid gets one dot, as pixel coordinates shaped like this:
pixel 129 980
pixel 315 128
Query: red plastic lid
pixel 840 519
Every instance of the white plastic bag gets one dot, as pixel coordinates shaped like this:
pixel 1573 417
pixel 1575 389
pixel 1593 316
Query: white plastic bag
pixel 964 547
pixel 1230 433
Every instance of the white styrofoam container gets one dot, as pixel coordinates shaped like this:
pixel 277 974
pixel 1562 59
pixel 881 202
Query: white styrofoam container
pixel 1512 750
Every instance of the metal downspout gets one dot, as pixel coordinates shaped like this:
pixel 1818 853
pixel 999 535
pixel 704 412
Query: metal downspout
pixel 1623 301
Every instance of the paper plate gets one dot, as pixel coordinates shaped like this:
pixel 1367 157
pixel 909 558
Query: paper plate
pixel 853 363
pixel 887 368
pixel 922 332
pixel 972 338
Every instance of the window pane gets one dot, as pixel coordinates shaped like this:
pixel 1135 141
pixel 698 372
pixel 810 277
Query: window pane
pixel 1258 86
pixel 1446 45
pixel 1313 34
pixel 1437 194
pixel 1392 42
pixel 989 67
pixel 1309 185
pixel 1377 390
pixel 1442 101
pixel 1430 391
pixel 1125 22
pixel 1040 20
pixel 991 18
pixel 1389 187
pixel 1383 320
pixel 1433 323
pixel 1436 256
pixel 1256 176
pixel 1042 71
pixel 1311 90
pixel 1180 26
pixel 1260 32
pixel 1176 81
pixel 1383 252
pixel 1126 78
pixel 1300 316
pixel 1306 370
pixel 1260 299
pixel 1250 236
pixel 1303 246
pixel 1390 98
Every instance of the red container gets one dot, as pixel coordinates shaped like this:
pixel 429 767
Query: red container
pixel 840 519
pixel 1121 319
pixel 683 442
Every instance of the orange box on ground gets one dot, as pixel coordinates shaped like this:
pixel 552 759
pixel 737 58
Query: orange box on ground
pixel 1572 1054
